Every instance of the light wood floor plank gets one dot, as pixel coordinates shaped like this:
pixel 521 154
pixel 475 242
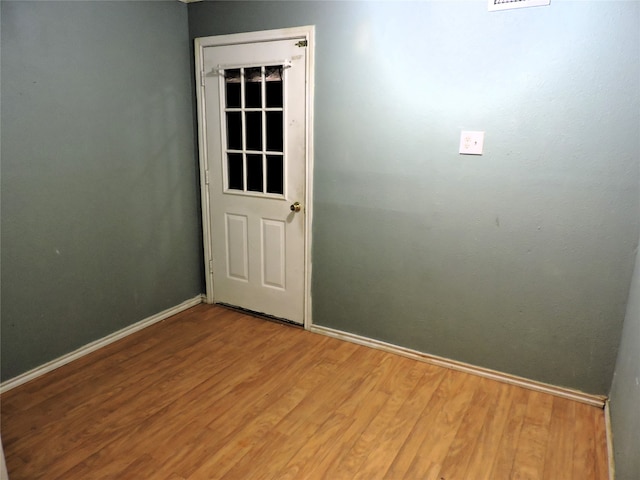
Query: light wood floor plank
pixel 441 433
pixel 450 386
pixel 126 354
pixel 532 444
pixel 488 441
pixel 107 383
pixel 457 456
pixel 363 404
pixel 584 456
pixel 502 463
pixel 269 405
pixel 125 414
pixel 382 455
pixel 559 455
pixel 398 384
pixel 313 422
pixel 214 393
pixel 600 454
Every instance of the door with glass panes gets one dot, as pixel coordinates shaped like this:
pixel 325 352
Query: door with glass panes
pixel 255 120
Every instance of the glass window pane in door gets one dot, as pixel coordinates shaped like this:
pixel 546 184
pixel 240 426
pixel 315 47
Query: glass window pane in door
pixel 234 130
pixel 273 78
pixel 274 132
pixel 232 81
pixel 253 87
pixel 235 180
pixel 254 130
pixel 275 174
pixel 254 172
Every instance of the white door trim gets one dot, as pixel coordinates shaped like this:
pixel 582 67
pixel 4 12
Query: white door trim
pixel 302 33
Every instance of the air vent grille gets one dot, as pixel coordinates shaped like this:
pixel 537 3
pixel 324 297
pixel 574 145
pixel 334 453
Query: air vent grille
pixel 509 4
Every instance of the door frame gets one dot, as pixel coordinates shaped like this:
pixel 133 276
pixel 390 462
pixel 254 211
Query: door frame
pixel 304 33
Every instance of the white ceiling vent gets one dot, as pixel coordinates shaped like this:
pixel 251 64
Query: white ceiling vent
pixel 509 4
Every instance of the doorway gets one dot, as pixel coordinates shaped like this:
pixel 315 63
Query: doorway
pixel 255 135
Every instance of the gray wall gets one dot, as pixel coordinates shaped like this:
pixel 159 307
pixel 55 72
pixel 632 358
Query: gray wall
pixel 625 391
pixel 519 260
pixel 100 222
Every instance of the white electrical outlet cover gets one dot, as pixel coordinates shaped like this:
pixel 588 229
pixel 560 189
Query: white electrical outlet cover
pixel 471 143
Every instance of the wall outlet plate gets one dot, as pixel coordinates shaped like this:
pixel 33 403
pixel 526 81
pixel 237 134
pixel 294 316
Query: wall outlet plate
pixel 471 143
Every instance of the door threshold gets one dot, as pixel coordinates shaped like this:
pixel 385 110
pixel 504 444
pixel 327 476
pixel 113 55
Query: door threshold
pixel 263 316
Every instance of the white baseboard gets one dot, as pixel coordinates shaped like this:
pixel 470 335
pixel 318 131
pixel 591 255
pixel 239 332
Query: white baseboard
pixel 595 400
pixel 102 342
pixel 609 431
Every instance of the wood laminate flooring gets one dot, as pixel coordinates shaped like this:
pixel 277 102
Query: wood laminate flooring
pixel 214 393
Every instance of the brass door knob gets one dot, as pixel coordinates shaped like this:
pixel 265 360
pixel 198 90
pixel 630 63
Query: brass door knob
pixel 295 207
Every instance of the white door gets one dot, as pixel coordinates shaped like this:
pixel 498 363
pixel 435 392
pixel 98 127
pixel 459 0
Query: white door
pixel 254 120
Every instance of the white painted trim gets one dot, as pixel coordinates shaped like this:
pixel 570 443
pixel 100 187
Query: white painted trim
pixel 93 346
pixel 204 167
pixel 609 432
pixel 311 42
pixel 305 32
pixel 594 400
